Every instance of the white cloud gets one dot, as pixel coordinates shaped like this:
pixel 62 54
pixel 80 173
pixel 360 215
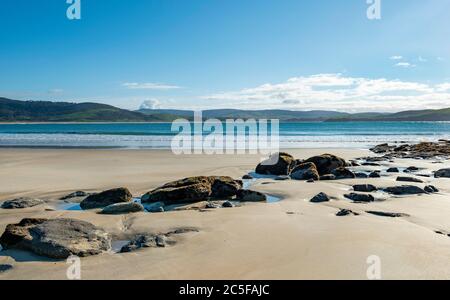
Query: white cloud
pixel 336 92
pixel 151 104
pixel 149 86
pixel 405 65
pixel 396 57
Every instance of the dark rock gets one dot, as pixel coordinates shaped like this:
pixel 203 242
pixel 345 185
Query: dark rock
pixel 387 214
pixel 375 175
pixel 21 203
pixel 404 190
pixel 305 171
pixel 106 198
pixel 56 238
pixel 354 163
pixel 319 198
pixel 310 181
pixel 250 196
pixel 227 204
pixel 122 208
pixel 5 268
pixel 247 177
pixel 360 197
pixel 431 189
pixel 343 173
pixel 393 170
pixel 282 178
pixel 277 164
pixel 371 164
pixel 411 170
pixel 361 175
pixel 346 212
pixel 442 173
pixel 409 179
pixel 364 188
pixel 326 163
pixel 327 177
pixel 194 189
pixel 75 195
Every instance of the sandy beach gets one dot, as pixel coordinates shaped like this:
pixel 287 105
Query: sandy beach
pixel 289 239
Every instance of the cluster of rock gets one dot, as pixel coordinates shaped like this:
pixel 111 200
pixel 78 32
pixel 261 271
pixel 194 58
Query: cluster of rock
pixel 20 203
pixel 322 167
pixel 416 151
pixel 202 188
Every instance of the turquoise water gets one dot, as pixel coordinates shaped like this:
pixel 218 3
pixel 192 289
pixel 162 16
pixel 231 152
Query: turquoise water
pixel 160 135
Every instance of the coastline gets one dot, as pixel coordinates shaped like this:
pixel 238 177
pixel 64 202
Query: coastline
pixel 289 239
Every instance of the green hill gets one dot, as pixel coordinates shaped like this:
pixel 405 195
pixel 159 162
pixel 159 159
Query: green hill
pixel 46 111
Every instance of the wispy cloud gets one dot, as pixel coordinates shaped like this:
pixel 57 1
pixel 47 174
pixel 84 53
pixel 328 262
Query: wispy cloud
pixel 405 64
pixel 421 59
pixel 149 86
pixel 396 57
pixel 336 92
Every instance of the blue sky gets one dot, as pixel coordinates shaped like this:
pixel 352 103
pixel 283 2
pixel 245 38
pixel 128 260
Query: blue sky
pixel 287 54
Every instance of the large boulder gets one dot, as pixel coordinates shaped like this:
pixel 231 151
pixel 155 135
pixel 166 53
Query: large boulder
pixel 305 171
pixel 122 208
pixel 326 163
pixel 194 189
pixel 442 173
pixel 278 164
pixel 343 173
pixel 21 203
pixel 57 238
pixel 106 198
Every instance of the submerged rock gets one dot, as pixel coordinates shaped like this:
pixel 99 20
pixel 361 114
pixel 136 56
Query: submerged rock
pixel 282 178
pixel 106 198
pixel 247 177
pixel 409 179
pixel 405 190
pixel 56 238
pixel 442 173
pixel 122 208
pixel 364 188
pixel 375 174
pixel 393 170
pixel 346 212
pixel 5 268
pixel 319 198
pixel 21 203
pixel 361 175
pixel 250 196
pixel 194 189
pixel 360 197
pixel 387 214
pixel 278 164
pixel 305 171
pixel 326 163
pixel 431 189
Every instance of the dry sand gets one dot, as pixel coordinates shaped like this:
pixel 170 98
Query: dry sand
pixel 290 239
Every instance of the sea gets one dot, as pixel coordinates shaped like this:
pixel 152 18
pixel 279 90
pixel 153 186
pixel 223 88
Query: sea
pixel 160 135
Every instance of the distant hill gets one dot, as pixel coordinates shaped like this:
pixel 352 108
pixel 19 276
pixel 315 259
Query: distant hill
pixel 46 111
pixel 282 115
